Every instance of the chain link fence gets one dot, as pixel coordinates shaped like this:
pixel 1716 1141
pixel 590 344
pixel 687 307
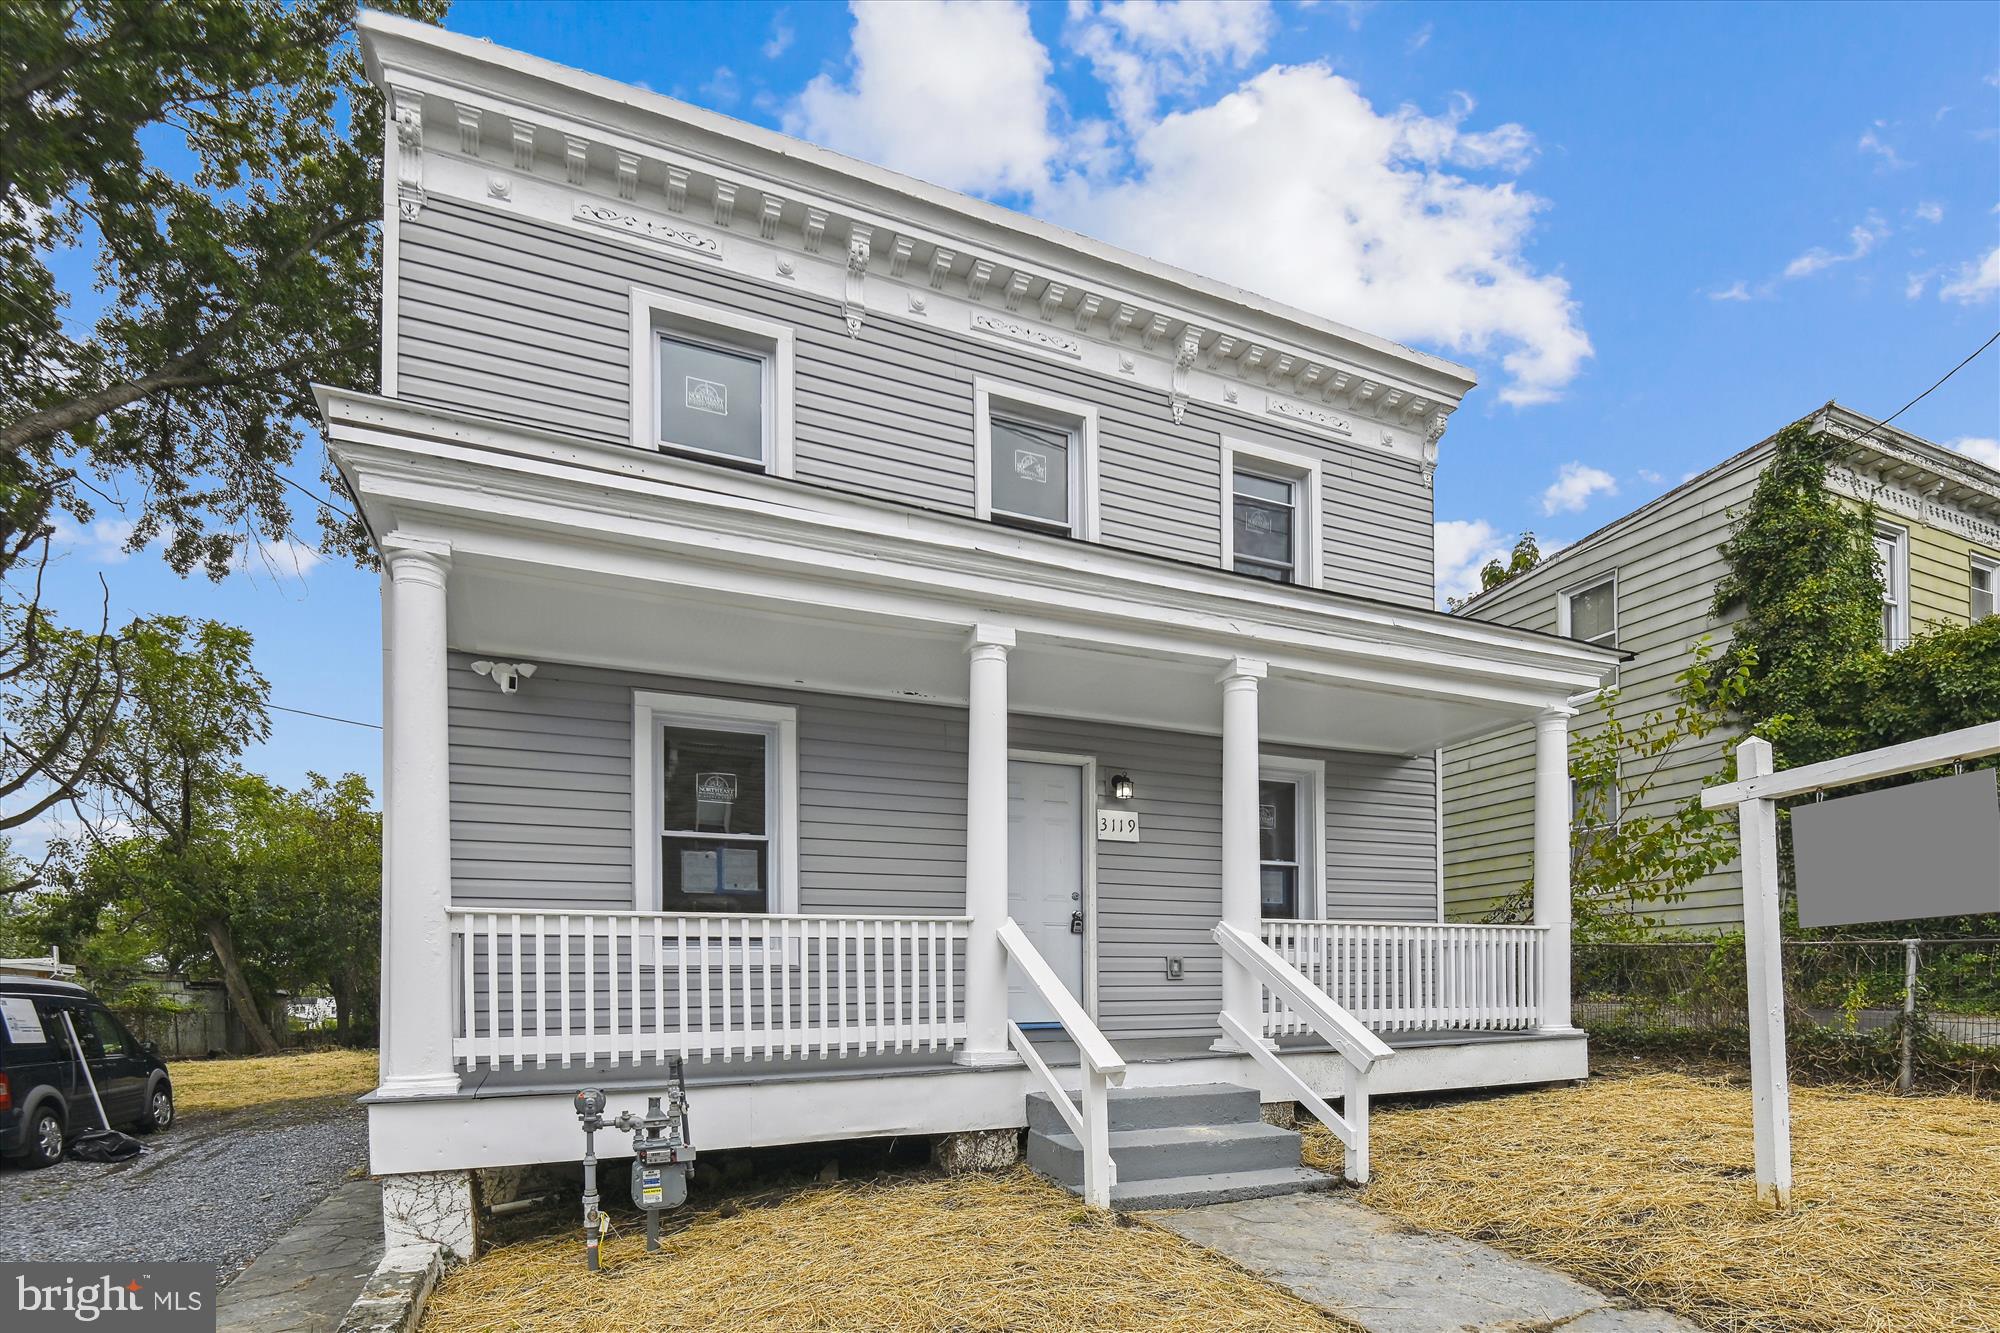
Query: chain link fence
pixel 1919 1013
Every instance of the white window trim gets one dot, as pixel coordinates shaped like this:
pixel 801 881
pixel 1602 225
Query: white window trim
pixel 1896 580
pixel 1310 775
pixel 1079 416
pixel 1563 598
pixel 1302 470
pixel 654 313
pixel 651 714
pixel 1992 569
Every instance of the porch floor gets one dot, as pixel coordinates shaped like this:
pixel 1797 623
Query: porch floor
pixel 1055 1048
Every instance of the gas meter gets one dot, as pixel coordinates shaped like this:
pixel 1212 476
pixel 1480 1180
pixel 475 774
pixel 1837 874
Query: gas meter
pixel 662 1157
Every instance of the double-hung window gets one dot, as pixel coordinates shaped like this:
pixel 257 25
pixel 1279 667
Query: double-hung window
pixel 1985 588
pixel 710 382
pixel 1892 558
pixel 1270 513
pixel 716 786
pixel 1265 526
pixel 1035 459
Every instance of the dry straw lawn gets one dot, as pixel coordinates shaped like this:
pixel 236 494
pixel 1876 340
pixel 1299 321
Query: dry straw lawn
pixel 1642 1185
pixel 231 1085
pixel 970 1252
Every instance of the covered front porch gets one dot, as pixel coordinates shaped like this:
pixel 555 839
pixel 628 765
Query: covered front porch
pixel 548 630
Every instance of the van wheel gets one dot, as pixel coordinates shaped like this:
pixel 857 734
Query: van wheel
pixel 44 1143
pixel 159 1109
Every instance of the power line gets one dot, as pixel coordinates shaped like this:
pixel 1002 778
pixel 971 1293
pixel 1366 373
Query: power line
pixel 1847 444
pixel 325 717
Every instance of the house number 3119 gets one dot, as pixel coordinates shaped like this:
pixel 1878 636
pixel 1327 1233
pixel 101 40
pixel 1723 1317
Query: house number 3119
pixel 1117 826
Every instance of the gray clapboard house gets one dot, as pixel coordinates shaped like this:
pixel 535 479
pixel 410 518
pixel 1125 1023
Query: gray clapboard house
pixel 1645 583
pixel 902 656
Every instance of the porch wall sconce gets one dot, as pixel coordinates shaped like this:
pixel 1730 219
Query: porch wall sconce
pixel 1121 787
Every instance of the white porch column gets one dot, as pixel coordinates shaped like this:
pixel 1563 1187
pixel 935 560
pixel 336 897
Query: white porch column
pixel 1552 836
pixel 416 870
pixel 986 849
pixel 1242 894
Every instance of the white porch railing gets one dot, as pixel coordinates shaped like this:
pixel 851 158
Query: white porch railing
pixel 607 987
pixel 1361 1049
pixel 1414 977
pixel 1102 1067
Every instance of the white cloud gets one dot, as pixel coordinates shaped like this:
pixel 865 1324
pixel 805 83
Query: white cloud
pixel 1860 240
pixel 1463 548
pixel 1930 211
pixel 1870 142
pixel 1372 218
pixel 781 37
pixel 956 93
pixel 1356 218
pixel 104 542
pixel 1574 486
pixel 1420 38
pixel 1142 50
pixel 280 559
pixel 1650 477
pixel 1913 286
pixel 1972 446
pixel 1736 291
pixel 1973 282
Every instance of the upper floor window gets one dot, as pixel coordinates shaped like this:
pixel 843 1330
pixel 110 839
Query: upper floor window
pixel 711 382
pixel 1892 558
pixel 1985 588
pixel 1270 526
pixel 1035 459
pixel 1591 613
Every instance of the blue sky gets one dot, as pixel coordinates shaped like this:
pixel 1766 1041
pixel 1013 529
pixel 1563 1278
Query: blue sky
pixel 1657 232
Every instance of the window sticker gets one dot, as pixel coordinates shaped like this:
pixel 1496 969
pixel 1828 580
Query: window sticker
pixel 715 786
pixel 1031 466
pixel 22 1023
pixel 698 870
pixel 742 871
pixel 1267 816
pixel 707 396
pixel 1259 520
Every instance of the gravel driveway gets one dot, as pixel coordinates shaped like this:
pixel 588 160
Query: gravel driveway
pixel 216 1186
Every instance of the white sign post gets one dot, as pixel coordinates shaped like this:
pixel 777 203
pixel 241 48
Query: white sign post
pixel 1755 795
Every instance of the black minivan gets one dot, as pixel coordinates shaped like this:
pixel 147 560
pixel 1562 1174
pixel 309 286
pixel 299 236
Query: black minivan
pixel 44 1101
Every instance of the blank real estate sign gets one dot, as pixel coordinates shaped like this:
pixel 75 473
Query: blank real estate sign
pixel 1925 850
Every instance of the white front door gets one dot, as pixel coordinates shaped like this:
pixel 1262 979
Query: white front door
pixel 1045 877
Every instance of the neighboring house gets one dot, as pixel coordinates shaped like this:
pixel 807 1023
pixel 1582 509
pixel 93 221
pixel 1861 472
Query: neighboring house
pixel 1645 584
pixel 830 621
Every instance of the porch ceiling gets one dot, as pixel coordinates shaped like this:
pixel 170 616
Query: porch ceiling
pixel 499 610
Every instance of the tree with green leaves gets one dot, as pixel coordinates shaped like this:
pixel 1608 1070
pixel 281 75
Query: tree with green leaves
pixel 1527 553
pixel 196 702
pixel 222 159
pixel 1804 577
pixel 220 163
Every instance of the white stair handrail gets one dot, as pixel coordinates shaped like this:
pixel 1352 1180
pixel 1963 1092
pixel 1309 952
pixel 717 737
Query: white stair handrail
pixel 1361 1049
pixel 1103 1068
pixel 1341 1029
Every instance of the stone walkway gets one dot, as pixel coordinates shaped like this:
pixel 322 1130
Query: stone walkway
pixel 306 1280
pixel 1371 1269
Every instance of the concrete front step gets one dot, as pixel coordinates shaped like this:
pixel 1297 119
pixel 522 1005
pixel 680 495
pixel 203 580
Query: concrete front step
pixel 1224 1187
pixel 1155 1108
pixel 1178 1150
